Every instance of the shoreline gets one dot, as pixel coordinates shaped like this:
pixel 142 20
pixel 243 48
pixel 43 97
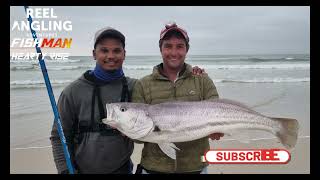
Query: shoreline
pixel 40 160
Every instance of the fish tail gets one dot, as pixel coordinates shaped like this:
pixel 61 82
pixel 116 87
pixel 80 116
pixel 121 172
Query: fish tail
pixel 288 133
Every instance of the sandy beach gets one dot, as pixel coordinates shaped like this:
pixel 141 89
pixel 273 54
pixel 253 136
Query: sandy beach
pixel 36 158
pixel 40 160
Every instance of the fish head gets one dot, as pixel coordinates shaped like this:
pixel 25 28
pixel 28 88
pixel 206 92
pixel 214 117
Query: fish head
pixel 130 119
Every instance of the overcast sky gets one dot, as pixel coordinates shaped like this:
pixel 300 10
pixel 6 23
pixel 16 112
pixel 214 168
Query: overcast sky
pixel 212 30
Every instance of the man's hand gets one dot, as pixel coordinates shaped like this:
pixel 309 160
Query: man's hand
pixel 216 136
pixel 197 71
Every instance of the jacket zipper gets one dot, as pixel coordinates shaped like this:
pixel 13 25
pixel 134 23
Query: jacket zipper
pixel 175 98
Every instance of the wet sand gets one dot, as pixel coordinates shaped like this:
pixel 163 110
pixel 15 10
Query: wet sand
pixel 274 100
pixel 40 160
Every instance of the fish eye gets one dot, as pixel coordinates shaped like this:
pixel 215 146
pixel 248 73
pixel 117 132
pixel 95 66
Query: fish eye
pixel 123 109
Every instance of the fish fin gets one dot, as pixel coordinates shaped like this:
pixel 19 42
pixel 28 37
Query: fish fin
pixel 288 133
pixel 229 101
pixel 169 149
pixel 235 103
pixel 156 128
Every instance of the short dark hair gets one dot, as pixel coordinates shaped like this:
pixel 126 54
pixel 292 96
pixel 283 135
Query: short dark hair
pixel 109 33
pixel 173 33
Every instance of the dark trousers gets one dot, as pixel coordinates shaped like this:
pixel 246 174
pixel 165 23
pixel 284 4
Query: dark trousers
pixel 140 168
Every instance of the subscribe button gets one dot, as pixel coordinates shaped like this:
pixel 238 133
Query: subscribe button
pixel 247 156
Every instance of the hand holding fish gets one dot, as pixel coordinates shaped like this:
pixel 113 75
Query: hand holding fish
pixel 216 136
pixel 198 71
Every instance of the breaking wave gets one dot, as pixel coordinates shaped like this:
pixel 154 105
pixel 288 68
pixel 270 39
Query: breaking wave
pixel 35 61
pixel 21 84
pixel 53 68
pixel 264 80
pixel 258 66
pixel 40 83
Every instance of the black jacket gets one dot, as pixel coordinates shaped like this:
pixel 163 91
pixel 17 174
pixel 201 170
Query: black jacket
pixel 91 150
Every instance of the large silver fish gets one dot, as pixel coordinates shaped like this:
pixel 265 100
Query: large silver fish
pixel 181 121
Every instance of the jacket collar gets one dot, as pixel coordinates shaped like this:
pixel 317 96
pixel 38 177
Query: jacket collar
pixel 158 72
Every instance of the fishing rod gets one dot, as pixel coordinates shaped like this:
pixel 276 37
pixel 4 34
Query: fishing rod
pixel 51 96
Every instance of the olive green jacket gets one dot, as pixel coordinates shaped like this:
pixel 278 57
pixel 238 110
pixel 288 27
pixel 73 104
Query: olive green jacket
pixel 156 88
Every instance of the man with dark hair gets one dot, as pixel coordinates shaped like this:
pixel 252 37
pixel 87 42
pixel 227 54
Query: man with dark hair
pixel 173 80
pixel 95 147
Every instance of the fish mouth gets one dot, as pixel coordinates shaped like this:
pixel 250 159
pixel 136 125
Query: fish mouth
pixel 109 118
pixel 108 110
